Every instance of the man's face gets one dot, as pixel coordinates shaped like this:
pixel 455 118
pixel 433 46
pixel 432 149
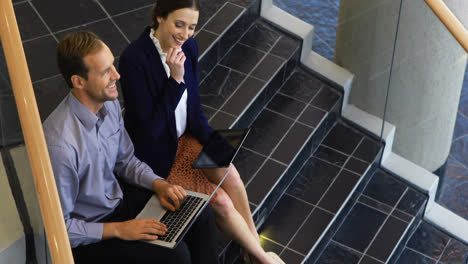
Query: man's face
pixel 102 76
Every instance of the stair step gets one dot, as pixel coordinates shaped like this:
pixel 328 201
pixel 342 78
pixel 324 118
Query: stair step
pixel 315 198
pixel 257 85
pixel 244 80
pixel 430 245
pixel 283 129
pixel 220 27
pixel 283 135
pixel 383 213
pixel 217 25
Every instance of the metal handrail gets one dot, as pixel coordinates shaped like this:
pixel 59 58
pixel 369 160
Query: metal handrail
pixel 450 21
pixel 44 181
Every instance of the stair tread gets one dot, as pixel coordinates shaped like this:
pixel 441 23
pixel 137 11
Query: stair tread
pixel 277 136
pixel 429 245
pixel 319 190
pixel 244 72
pixel 221 19
pixel 380 218
pixel 283 126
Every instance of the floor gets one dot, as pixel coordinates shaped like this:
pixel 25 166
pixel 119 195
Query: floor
pixel 323 15
pixel 454 191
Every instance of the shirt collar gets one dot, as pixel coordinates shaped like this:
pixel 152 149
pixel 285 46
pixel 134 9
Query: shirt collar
pixel 156 43
pixel 86 117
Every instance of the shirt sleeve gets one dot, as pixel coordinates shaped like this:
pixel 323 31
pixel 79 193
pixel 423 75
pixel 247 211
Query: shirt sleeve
pixel 80 232
pixel 128 166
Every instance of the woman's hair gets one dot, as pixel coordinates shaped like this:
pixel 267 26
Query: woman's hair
pixel 71 50
pixel 162 8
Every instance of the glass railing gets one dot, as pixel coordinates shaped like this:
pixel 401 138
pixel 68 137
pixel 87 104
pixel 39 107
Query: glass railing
pixel 358 36
pixel 365 45
pixel 424 92
pixel 409 71
pixel 408 77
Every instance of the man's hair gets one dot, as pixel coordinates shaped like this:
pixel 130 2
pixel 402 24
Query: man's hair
pixel 72 48
pixel 162 8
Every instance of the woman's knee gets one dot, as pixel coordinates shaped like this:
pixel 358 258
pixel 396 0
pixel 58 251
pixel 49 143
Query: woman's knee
pixel 222 203
pixel 234 179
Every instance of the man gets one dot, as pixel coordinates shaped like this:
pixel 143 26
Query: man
pixel 102 185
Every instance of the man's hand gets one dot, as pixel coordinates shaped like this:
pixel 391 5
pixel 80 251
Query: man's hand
pixel 171 196
pixel 175 60
pixel 136 229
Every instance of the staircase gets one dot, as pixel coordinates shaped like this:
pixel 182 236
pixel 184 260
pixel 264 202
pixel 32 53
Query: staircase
pixel 313 179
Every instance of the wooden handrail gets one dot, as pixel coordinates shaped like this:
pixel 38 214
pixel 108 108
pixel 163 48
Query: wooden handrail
pixel 49 202
pixel 450 21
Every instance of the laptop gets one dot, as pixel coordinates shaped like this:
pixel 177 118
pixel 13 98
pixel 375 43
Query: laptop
pixel 220 151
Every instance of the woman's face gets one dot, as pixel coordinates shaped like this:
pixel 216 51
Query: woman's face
pixel 179 26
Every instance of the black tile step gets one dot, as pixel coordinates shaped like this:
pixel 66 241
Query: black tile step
pixel 246 78
pixel 118 22
pixel 220 26
pixel 376 224
pixel 430 245
pixel 284 134
pixel 315 199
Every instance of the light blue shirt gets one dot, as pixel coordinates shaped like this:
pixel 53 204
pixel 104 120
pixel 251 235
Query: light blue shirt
pixel 86 150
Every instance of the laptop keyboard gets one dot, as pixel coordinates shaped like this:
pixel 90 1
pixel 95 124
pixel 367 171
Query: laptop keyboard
pixel 174 221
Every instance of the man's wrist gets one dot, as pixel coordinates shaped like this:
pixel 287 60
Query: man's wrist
pixel 110 230
pixel 157 184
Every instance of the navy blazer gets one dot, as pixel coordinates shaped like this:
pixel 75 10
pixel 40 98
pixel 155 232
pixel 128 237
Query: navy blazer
pixel 150 99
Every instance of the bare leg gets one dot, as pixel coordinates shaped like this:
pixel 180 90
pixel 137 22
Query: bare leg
pixel 235 188
pixel 233 224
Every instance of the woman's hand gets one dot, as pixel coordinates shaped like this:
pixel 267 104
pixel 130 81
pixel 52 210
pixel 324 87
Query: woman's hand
pixel 175 60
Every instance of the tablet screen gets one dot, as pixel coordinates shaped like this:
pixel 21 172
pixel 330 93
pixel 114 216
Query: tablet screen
pixel 221 148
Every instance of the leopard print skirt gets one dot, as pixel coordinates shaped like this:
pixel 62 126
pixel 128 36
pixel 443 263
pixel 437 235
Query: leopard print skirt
pixel 182 172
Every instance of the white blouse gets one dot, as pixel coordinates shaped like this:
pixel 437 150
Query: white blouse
pixel 181 109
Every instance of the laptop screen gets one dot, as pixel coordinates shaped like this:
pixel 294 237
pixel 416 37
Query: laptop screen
pixel 221 148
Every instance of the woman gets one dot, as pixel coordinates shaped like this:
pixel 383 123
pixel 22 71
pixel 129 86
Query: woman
pixel 165 120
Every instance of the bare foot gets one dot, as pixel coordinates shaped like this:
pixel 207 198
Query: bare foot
pixel 275 257
pixel 267 259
